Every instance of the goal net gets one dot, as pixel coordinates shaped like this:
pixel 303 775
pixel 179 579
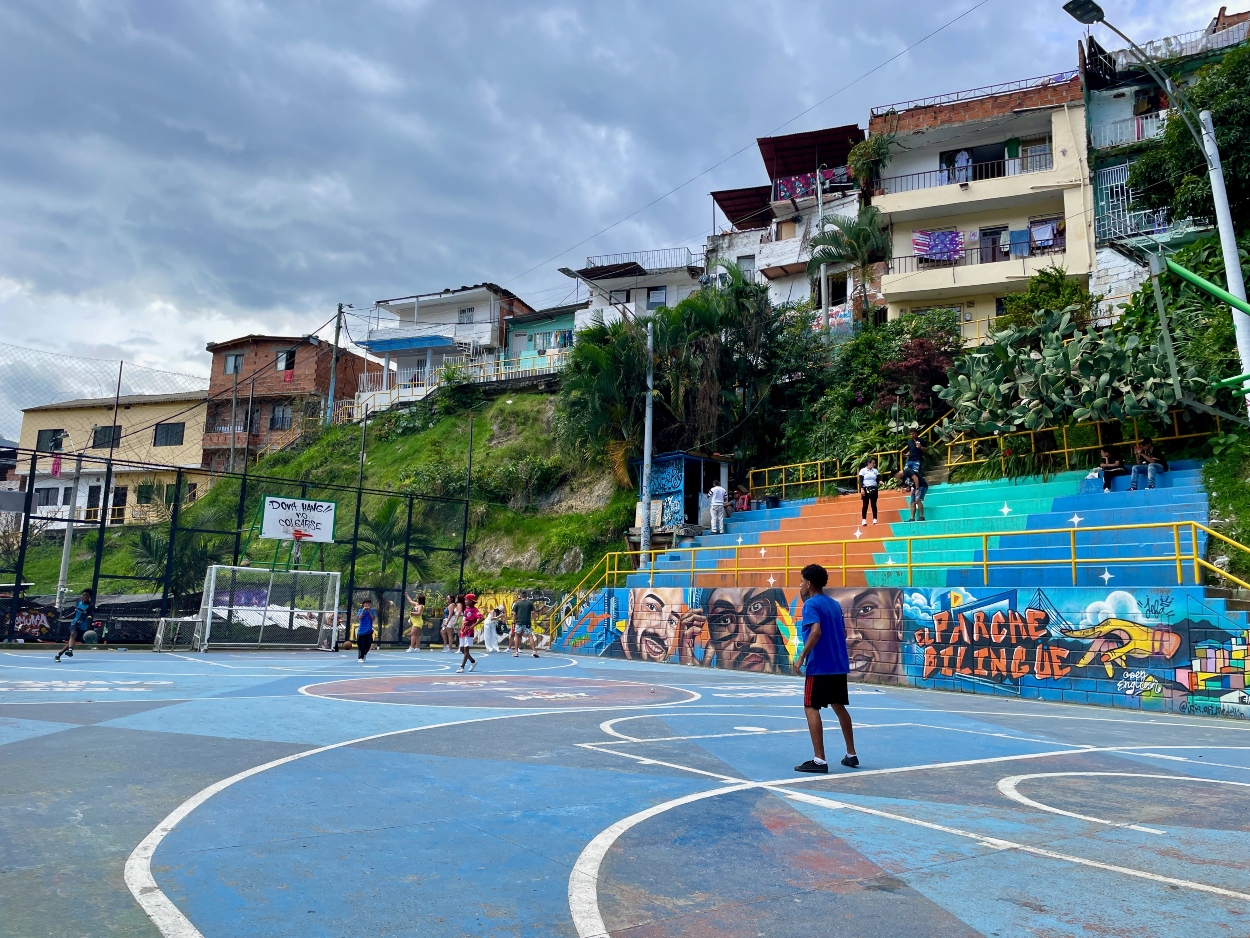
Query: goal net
pixel 251 607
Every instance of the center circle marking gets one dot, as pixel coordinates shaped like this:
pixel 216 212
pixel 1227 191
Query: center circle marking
pixel 523 692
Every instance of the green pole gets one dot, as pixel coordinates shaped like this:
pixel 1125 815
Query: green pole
pixel 1201 284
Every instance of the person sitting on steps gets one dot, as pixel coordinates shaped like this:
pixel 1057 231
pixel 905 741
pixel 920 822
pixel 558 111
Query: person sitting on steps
pixel 1149 464
pixel 1110 466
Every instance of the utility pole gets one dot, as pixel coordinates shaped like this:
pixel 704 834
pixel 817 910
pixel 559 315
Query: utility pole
pixel 334 365
pixel 464 530
pixel 234 408
pixel 247 430
pixel 62 580
pixel 646 448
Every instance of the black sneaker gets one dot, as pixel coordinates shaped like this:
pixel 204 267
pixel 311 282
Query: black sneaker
pixel 69 653
pixel 58 656
pixel 812 766
pixel 535 654
pixel 851 762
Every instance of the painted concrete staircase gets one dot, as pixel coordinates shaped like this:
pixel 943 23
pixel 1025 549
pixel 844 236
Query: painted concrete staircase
pixel 1013 513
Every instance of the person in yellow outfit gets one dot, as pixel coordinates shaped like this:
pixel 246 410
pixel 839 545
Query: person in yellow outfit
pixel 416 620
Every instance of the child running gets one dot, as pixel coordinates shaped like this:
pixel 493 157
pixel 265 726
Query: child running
pixel 416 620
pixel 468 624
pixel 825 653
pixel 79 624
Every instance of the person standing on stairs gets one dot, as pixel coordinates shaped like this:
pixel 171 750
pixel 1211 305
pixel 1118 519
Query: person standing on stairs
pixel 868 477
pixel 717 496
pixel 915 451
pixel 917 487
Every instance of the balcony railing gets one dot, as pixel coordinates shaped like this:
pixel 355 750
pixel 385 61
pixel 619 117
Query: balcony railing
pixel 402 377
pixel 1131 224
pixel 666 259
pixel 1197 42
pixel 985 91
pixel 962 175
pixel 1130 130
pixel 992 253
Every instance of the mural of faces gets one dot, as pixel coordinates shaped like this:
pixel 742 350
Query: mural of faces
pixel 874 633
pixel 654 624
pixel 741 629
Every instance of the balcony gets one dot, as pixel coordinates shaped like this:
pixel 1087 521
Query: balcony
pixel 986 267
pixel 974 172
pixel 1130 130
pixel 977 187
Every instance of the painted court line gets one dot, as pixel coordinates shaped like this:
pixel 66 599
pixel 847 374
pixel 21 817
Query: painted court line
pixel 996 843
pixel 1008 786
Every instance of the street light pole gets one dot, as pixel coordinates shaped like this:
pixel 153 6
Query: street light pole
pixel 646 447
pixel 1200 126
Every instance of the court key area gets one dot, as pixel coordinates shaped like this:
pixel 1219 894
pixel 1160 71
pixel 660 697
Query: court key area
pixel 307 794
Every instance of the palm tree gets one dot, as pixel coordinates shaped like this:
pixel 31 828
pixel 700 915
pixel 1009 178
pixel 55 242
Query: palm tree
pixel 194 553
pixel 385 537
pixel 861 241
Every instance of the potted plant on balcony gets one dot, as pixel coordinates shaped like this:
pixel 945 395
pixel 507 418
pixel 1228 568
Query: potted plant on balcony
pixel 866 161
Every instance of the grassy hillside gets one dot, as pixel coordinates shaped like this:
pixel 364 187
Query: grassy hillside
pixel 534 521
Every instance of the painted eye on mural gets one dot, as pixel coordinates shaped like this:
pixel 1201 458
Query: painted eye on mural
pixel 865 610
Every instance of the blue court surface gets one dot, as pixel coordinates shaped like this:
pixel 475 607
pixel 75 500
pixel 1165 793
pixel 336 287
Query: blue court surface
pixel 306 794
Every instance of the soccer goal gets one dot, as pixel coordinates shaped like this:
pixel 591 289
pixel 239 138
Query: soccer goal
pixel 253 607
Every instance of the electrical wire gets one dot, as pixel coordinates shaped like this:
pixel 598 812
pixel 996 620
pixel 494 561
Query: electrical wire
pixel 743 149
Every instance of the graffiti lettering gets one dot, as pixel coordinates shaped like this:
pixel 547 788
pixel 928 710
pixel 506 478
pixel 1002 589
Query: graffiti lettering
pixel 1136 683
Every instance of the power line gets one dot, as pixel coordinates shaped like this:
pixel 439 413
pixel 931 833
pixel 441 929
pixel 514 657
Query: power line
pixel 748 146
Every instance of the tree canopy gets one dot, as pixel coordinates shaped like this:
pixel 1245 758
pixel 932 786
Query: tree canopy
pixel 1173 173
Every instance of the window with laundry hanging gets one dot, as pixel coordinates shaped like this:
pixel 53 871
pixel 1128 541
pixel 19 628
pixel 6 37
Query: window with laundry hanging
pixel 1047 234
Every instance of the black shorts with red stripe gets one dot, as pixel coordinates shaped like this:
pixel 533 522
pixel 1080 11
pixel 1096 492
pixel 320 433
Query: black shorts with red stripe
pixel 823 690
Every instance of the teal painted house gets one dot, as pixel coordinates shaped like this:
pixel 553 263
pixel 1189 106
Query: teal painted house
pixel 540 339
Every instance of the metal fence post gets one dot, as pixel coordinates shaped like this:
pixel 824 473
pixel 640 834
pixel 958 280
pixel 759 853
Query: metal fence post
pixel 238 516
pixel 169 552
pixel 403 579
pixel 99 538
pixel 15 602
pixel 351 570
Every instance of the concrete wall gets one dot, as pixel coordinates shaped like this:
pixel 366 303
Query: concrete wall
pixel 1117 278
pixel 1168 649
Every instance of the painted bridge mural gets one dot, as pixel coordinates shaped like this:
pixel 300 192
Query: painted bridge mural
pixel 1157 649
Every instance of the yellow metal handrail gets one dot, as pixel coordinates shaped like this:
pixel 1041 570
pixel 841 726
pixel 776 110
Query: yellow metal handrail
pixel 955 455
pixel 775 560
pixel 775 480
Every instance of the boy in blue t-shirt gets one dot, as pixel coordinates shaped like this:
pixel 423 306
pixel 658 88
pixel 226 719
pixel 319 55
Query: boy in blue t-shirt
pixel 364 629
pixel 824 651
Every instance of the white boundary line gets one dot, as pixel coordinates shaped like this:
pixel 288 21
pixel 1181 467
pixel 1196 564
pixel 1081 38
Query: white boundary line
pixel 1008 786
pixel 306 691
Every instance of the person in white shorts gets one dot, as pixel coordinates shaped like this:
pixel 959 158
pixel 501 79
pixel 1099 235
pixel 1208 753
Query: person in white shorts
pixel 717 495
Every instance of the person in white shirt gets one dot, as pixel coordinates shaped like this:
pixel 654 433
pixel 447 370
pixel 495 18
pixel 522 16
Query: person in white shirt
pixel 717 495
pixel 868 490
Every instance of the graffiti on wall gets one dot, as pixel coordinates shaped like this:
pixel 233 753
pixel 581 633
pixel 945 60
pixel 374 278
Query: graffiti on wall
pixel 1151 649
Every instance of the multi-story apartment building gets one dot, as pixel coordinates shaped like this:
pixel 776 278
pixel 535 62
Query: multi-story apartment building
pixel 772 225
pixel 984 188
pixel 1126 112
pixel 262 389
pixel 418 335
pixel 162 431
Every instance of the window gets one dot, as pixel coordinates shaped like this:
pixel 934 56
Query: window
pixel 464 316
pixel 1035 153
pixel 656 297
pixel 143 493
pixel 994 243
pixel 233 363
pixel 45 498
pixel 280 417
pixel 67 495
pixel 746 263
pixel 618 296
pixel 543 341
pixel 49 441
pixel 190 492
pixel 284 360
pixel 106 437
pixel 169 434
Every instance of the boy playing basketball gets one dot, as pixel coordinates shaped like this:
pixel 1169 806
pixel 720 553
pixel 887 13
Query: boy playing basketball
pixel 824 651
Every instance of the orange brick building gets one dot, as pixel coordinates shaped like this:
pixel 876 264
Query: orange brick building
pixel 271 385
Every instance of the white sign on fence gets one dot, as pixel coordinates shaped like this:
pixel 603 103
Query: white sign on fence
pixel 298 519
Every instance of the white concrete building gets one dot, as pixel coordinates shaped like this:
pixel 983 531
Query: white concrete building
pixel 772 225
pixel 416 336
pixel 625 285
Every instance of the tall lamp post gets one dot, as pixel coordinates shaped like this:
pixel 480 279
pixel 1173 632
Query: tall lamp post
pixel 1088 12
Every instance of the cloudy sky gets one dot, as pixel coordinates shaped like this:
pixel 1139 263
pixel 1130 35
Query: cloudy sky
pixel 176 172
